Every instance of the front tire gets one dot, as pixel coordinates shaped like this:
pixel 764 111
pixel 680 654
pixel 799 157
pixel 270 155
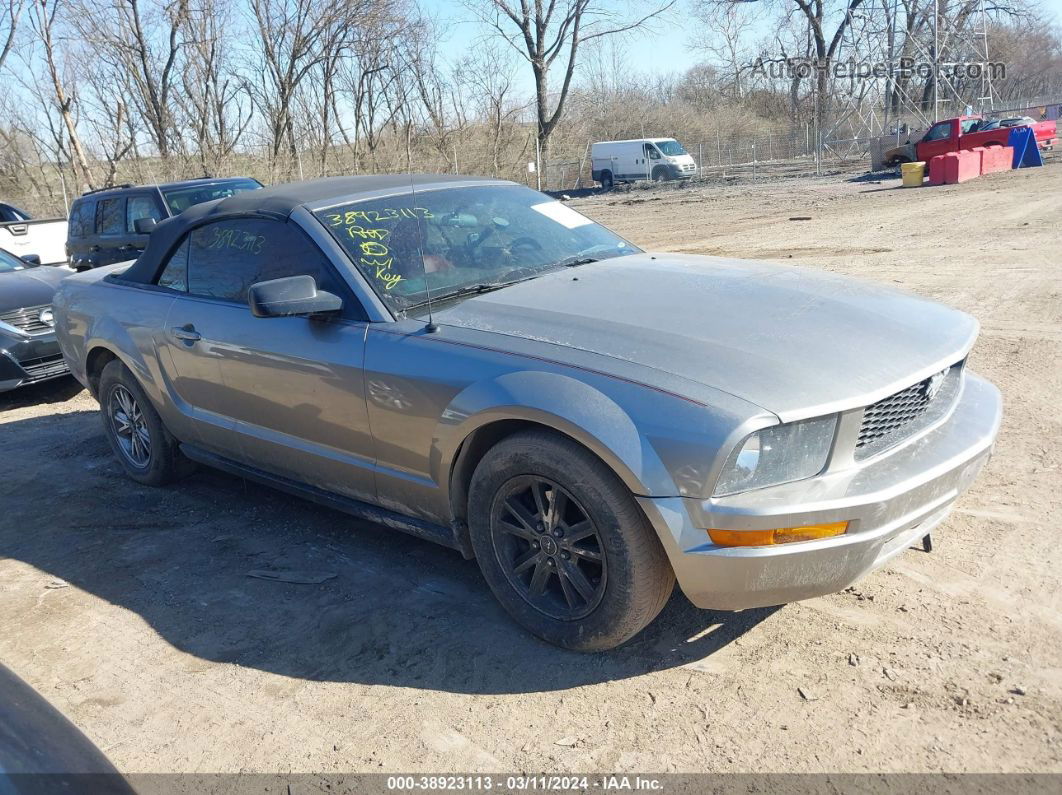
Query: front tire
pixel 563 545
pixel 134 430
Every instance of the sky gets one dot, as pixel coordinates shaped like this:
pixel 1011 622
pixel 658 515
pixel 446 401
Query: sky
pixel 664 49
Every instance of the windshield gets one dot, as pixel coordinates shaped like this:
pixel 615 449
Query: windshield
pixel 670 148
pixel 180 199
pixel 9 262
pixel 457 240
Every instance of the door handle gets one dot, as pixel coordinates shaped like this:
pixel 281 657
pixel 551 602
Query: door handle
pixel 186 333
pixel 94 248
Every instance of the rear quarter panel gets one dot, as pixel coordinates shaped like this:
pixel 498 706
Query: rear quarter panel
pixel 93 313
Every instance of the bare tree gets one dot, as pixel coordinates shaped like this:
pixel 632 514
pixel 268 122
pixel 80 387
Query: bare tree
pixel 295 37
pixel 820 16
pixel 490 74
pixel 140 45
pixel 723 36
pixel 439 94
pixel 10 14
pixel 550 32
pixel 215 102
pixel 44 20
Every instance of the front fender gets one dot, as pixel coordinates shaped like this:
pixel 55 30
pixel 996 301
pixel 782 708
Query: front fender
pixel 904 151
pixel 558 401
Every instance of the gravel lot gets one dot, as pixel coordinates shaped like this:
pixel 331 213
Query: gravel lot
pixel 131 610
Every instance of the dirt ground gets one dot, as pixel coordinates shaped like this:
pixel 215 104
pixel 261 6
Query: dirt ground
pixel 130 608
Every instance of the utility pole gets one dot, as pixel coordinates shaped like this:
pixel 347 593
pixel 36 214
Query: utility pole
pixel 538 162
pixel 936 59
pixel 818 130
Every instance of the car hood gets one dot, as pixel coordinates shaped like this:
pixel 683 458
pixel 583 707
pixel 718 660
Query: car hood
pixel 795 341
pixel 30 287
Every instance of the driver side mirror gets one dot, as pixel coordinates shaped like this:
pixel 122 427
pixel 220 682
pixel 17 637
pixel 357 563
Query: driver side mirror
pixel 32 259
pixel 143 226
pixel 291 295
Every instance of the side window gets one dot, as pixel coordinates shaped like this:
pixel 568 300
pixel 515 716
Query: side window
pixel 227 257
pixel 141 207
pixel 939 132
pixel 970 125
pixel 175 274
pixel 651 152
pixel 110 219
pixel 83 220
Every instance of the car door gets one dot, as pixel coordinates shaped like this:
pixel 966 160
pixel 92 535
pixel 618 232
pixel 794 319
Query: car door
pixel 937 141
pixel 640 169
pixel 81 231
pixel 189 364
pixel 113 242
pixel 285 395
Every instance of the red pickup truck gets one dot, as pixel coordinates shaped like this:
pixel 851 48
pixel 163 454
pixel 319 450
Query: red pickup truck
pixel 963 132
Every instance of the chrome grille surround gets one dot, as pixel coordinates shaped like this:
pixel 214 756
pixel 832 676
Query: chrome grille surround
pixel 28 319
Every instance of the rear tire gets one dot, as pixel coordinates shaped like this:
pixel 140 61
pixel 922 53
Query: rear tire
pixel 563 545
pixel 146 450
pixel 607 182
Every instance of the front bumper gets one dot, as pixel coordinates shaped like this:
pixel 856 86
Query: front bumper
pixel 29 361
pixel 890 502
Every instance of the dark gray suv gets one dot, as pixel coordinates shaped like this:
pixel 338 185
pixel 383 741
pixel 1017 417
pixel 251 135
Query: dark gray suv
pixel 112 224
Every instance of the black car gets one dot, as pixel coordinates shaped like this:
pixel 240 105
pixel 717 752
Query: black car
pixel 112 224
pixel 28 350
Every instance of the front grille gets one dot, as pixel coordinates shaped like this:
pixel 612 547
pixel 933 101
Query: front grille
pixel 44 367
pixel 27 319
pixel 903 414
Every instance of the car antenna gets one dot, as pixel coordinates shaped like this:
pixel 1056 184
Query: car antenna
pixel 431 328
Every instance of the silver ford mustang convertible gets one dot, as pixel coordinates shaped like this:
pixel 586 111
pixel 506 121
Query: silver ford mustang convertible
pixel 475 363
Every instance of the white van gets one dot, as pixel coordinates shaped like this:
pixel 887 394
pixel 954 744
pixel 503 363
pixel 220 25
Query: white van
pixel 658 159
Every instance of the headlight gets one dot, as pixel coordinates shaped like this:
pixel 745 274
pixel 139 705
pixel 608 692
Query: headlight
pixel 779 454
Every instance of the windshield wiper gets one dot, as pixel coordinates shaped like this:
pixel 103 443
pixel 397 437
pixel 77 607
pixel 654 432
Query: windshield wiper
pixel 575 259
pixel 471 289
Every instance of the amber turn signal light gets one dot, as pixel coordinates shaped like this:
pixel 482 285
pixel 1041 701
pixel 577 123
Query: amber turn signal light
pixel 780 535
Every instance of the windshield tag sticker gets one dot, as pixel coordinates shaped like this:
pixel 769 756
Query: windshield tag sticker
pixel 565 216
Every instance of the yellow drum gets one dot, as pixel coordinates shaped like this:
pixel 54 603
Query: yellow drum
pixel 913 174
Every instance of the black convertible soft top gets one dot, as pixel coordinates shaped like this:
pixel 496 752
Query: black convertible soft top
pixel 277 201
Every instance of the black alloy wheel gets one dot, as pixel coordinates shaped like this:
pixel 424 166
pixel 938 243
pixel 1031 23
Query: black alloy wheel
pixel 548 548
